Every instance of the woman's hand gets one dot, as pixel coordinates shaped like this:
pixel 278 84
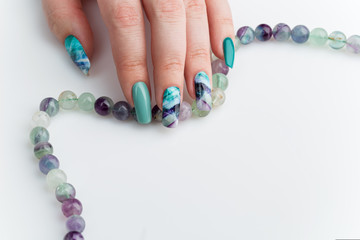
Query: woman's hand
pixel 181 33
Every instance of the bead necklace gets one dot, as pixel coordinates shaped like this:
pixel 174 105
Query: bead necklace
pixel 49 165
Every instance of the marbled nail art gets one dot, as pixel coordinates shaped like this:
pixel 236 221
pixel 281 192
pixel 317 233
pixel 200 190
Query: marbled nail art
pixel 77 54
pixel 171 107
pixel 203 92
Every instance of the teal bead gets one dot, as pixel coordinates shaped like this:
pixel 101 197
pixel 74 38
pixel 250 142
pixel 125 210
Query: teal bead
pixel 197 112
pixel 39 134
pixel 318 36
pixel 337 40
pixel 67 100
pixel 43 148
pixel 86 101
pixel 219 80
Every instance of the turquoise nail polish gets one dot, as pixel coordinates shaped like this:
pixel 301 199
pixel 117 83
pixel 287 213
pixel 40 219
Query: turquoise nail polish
pixel 142 102
pixel 171 107
pixel 229 52
pixel 77 54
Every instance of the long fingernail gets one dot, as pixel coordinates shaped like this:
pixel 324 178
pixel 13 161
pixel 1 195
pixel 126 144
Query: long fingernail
pixel 171 107
pixel 203 92
pixel 77 54
pixel 229 51
pixel 142 102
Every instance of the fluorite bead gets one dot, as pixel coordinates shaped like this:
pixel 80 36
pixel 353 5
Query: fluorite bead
pixel 218 97
pixel 300 34
pixel 197 112
pixel 75 223
pixel 39 134
pixel 50 106
pixel 42 148
pixel 55 177
pixel 156 113
pixel 103 106
pixel 219 66
pixel 40 119
pixel 246 35
pixel 48 163
pixel 65 191
pixel 263 32
pixel 282 32
pixel 86 101
pixel 353 44
pixel 67 100
pixel 185 111
pixel 74 236
pixel 219 80
pixel 71 207
pixel 337 40
pixel 121 110
pixel 237 43
pixel 318 36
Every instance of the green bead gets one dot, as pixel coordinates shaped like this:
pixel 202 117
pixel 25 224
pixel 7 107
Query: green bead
pixel 39 134
pixel 67 100
pixel 318 36
pixel 86 101
pixel 42 148
pixel 219 80
pixel 197 112
pixel 337 40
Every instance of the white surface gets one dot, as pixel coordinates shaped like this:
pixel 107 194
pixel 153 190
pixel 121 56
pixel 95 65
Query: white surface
pixel 280 160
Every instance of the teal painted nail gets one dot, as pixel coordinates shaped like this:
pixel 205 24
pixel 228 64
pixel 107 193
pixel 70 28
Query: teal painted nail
pixel 77 54
pixel 142 102
pixel 229 52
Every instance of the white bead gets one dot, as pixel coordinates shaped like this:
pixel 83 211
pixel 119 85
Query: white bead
pixel 55 177
pixel 218 97
pixel 40 119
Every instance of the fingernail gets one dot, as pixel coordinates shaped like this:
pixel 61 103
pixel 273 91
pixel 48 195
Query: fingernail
pixel 229 52
pixel 142 102
pixel 171 107
pixel 203 92
pixel 77 54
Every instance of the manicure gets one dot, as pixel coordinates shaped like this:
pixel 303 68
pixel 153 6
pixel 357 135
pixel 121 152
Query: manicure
pixel 229 52
pixel 77 54
pixel 171 107
pixel 142 102
pixel 203 92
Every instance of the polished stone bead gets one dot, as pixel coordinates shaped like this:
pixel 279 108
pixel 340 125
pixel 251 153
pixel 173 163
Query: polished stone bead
pixel 263 32
pixel 185 111
pixel 197 112
pixel 282 32
pixel 43 148
pixel 74 236
pixel 219 80
pixel 218 97
pixel 246 35
pixel 337 40
pixel 353 44
pixel 65 191
pixel 50 106
pixel 67 100
pixel 219 66
pixel 55 177
pixel 156 113
pixel 71 207
pixel 39 134
pixel 86 101
pixel 40 119
pixel 318 36
pixel 75 223
pixel 103 106
pixel 121 110
pixel 300 34
pixel 48 163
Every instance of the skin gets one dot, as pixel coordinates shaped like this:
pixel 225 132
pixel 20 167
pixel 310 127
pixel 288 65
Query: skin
pixel 181 34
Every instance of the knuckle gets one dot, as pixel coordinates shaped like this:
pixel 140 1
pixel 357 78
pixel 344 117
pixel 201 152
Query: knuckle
pixel 174 64
pixel 199 53
pixel 170 9
pixel 125 15
pixel 131 65
pixel 225 20
pixel 195 6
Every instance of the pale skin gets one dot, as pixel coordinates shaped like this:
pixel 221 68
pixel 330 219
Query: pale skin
pixel 182 33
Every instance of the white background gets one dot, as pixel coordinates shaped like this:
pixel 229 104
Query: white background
pixel 280 160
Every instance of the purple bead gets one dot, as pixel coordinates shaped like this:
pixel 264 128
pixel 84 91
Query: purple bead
pixel 263 32
pixel 246 35
pixel 185 111
pixel 65 191
pixel 282 32
pixel 47 163
pixel 74 236
pixel 75 223
pixel 219 66
pixel 156 113
pixel 50 106
pixel 121 110
pixel 71 207
pixel 103 106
